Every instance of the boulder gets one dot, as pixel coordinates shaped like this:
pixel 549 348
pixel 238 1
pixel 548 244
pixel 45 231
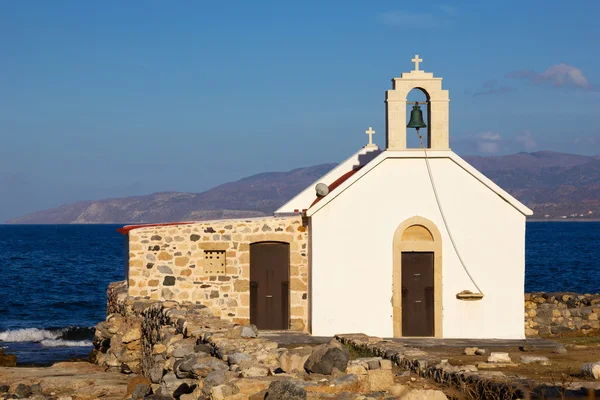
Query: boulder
pixel 255 371
pixel 198 366
pixel 356 369
pixel 560 349
pixel 156 371
pixel 534 360
pixel 497 357
pixel 132 334
pixel 238 358
pixel 249 331
pixel 294 359
pixel 471 351
pixel 327 357
pixel 172 386
pixel 23 391
pixel 213 379
pixel 141 390
pixel 203 348
pixel 480 352
pixel 285 390
pixel 380 379
pixel 182 348
pixel 591 370
pixel 221 392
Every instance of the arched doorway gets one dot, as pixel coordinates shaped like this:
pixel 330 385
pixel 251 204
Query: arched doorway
pixel 270 285
pixel 417 279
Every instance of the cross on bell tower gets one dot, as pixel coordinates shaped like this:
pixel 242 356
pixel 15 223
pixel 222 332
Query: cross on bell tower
pixel 416 60
pixel 437 109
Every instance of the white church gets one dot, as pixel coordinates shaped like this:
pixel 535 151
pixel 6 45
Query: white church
pixel 400 242
pixel 448 241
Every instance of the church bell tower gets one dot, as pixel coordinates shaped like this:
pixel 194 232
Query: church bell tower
pixel 437 109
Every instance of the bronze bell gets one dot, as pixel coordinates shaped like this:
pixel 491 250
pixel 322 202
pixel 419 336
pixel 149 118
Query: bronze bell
pixel 416 118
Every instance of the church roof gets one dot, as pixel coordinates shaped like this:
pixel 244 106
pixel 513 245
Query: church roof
pixel 337 183
pixel 358 174
pixel 127 228
pixel 304 199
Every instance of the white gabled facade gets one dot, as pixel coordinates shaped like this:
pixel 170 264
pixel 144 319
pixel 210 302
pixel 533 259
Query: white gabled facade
pixel 360 232
pixel 351 241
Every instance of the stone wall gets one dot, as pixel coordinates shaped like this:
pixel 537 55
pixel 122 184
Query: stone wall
pixel 168 263
pixel 559 314
pixel 185 352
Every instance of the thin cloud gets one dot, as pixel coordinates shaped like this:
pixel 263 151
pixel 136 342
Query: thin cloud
pixel 559 75
pixel 488 142
pixel 492 87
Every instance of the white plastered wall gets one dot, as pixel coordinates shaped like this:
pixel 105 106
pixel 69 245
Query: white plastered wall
pixel 352 251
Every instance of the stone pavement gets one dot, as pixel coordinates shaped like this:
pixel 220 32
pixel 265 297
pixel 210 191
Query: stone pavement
pixel 290 338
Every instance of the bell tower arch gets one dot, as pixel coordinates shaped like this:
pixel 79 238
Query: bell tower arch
pixel 437 102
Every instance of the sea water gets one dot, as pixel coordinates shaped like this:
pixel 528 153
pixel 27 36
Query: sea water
pixel 53 280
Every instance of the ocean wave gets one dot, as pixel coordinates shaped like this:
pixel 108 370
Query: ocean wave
pixel 28 335
pixel 65 343
pixel 69 334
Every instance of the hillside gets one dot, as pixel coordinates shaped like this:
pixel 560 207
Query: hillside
pixel 554 185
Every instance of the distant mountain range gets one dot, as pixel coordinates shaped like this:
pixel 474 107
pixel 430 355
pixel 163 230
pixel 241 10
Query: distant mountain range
pixel 554 185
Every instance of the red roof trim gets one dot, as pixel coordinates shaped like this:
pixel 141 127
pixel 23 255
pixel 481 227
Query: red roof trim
pixel 337 183
pixel 127 228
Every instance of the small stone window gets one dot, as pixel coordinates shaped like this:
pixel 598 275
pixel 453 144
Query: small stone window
pixel 214 262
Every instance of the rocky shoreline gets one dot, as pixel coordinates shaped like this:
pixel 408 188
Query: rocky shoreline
pixel 164 350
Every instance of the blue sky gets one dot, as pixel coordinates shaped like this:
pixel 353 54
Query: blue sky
pixel 108 99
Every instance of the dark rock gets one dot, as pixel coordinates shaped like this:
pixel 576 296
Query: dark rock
pixel 194 237
pixel 527 347
pixel 213 379
pixel 203 348
pixel 198 365
pixel 209 230
pixel 285 390
pixel 557 330
pixel 125 369
pixel 36 389
pixel 141 390
pixel 23 390
pixel 169 281
pixel 156 372
pixel 156 237
pixel 326 357
pixel 184 347
pixel 4 388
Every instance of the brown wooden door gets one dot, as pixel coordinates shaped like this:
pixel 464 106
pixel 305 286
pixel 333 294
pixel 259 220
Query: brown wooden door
pixel 269 285
pixel 417 294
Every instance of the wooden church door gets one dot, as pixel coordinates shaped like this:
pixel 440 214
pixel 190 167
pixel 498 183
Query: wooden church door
pixel 417 294
pixel 269 285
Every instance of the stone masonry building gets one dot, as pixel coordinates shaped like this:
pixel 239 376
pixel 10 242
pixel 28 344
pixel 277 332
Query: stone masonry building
pixel 399 242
